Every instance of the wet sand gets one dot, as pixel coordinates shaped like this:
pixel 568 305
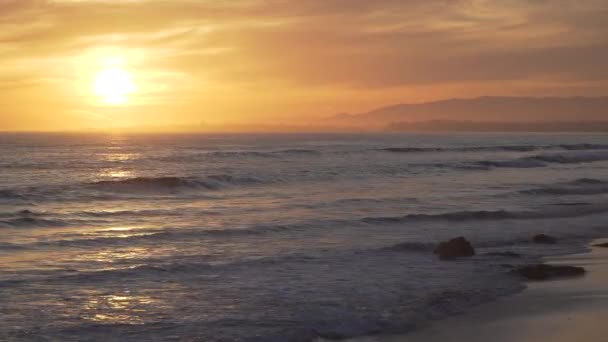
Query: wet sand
pixel 563 310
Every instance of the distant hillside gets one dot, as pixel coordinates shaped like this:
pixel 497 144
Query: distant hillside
pixel 489 126
pixel 487 109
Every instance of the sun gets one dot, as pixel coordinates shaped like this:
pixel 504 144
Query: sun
pixel 113 85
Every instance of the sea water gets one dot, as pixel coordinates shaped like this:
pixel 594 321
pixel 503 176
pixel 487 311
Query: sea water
pixel 277 237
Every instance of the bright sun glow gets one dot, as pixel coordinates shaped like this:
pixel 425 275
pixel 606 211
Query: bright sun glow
pixel 113 85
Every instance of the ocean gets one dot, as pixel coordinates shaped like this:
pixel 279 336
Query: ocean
pixel 277 237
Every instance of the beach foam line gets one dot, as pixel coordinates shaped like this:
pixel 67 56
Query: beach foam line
pixel 561 310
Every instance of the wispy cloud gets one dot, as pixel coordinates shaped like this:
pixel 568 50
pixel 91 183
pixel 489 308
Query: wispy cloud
pixel 311 56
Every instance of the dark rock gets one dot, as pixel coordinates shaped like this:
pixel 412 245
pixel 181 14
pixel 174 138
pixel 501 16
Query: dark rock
pixel 542 238
pixel 604 245
pixel 504 254
pixel 546 272
pixel 455 248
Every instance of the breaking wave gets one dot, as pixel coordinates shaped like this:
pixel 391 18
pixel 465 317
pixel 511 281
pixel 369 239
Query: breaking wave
pixel 493 215
pixel 588 181
pixel 296 151
pixel 11 195
pixel 517 163
pixel 542 160
pixel 6 246
pixel 583 186
pixel 213 182
pixel 572 158
pixel 30 219
pixel 505 148
pixel 29 222
pixel 577 147
pixel 125 188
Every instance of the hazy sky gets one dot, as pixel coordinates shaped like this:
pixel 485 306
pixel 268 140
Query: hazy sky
pixel 287 61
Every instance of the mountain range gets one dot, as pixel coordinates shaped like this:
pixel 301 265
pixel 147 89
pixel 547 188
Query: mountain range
pixel 495 109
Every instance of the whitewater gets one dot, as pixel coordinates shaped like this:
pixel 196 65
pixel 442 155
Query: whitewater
pixel 277 237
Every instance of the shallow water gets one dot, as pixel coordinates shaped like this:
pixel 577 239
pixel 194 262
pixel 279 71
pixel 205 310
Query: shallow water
pixel 276 237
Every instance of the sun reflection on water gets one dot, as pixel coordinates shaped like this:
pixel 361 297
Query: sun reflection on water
pixel 116 256
pixel 119 308
pixel 115 154
pixel 115 174
pixel 120 157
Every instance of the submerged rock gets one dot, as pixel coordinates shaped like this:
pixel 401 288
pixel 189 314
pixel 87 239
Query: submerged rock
pixel 454 248
pixel 546 272
pixel 542 238
pixel 604 245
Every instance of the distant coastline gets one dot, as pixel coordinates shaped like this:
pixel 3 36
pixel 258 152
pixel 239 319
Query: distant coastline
pixel 487 114
pixel 496 126
pixel 481 114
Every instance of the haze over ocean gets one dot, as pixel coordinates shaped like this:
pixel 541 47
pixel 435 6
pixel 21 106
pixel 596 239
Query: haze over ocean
pixel 276 237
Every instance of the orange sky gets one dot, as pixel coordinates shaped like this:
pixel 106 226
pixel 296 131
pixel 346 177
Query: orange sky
pixel 286 61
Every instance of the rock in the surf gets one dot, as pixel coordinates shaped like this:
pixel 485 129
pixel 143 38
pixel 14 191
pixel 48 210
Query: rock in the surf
pixel 454 248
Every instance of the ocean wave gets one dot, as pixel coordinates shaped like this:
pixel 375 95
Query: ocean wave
pixel 412 149
pixel 542 160
pixel 32 222
pixel 583 186
pixel 572 158
pixel 588 181
pixel 264 154
pixel 483 215
pixel 517 163
pixel 164 235
pixel 371 200
pixel 7 194
pixel 578 147
pixel 133 271
pixel 212 182
pixel 403 300
pixel 461 149
pixel 5 246
pixel 207 155
pixel 189 234
pixel 505 148
pixel 141 213
pixel 297 151
pixel 567 191
pixel 238 154
pixel 452 216
pixel 153 236
pixel 411 247
pixel 20 213
pixel 30 219
pixel 257 230
pixel 190 264
pixel 168 182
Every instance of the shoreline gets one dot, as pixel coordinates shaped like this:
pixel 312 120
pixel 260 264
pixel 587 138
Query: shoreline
pixel 560 310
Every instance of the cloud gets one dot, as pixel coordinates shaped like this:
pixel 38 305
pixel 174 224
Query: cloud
pixel 299 49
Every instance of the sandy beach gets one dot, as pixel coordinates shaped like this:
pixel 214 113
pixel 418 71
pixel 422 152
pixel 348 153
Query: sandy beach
pixel 562 310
